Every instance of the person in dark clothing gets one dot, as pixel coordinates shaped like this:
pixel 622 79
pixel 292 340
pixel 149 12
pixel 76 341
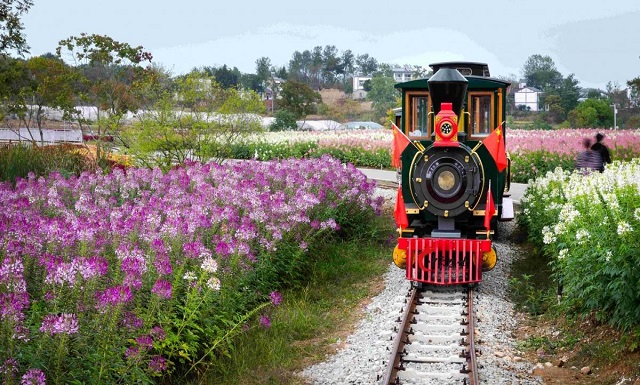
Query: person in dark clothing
pixel 589 160
pixel 599 147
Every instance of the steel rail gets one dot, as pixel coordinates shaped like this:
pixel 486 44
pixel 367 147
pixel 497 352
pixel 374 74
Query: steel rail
pixel 395 358
pixel 474 378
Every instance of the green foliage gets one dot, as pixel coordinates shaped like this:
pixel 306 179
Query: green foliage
pixel 112 72
pixel 528 297
pixel 527 166
pixel 18 161
pixel 383 95
pixel 210 121
pixel 285 120
pixel 540 71
pixel 339 280
pixel 11 36
pixel 588 226
pixel 592 113
pixel 299 98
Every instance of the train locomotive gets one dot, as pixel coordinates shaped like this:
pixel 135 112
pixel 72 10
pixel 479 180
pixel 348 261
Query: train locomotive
pixel 454 174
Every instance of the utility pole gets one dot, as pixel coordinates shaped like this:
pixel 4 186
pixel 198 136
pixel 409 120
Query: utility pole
pixel 615 112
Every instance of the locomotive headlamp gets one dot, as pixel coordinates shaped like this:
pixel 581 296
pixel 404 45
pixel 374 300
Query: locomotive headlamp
pixel 446 180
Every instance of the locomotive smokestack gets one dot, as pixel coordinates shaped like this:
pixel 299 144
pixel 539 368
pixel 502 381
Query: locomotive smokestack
pixel 447 86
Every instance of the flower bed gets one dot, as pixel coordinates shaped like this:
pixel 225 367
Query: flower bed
pixel 124 277
pixel 590 225
pixel 533 152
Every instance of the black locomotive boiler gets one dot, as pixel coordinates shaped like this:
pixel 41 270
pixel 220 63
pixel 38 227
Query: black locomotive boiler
pixel 454 173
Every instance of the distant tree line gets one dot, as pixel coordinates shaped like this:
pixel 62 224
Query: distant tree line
pixel 119 78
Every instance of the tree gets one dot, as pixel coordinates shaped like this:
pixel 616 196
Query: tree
pixel 199 120
pixel 299 98
pixel 366 65
pixel 554 104
pixel 36 87
pixel 617 95
pixel 11 36
pixel 263 69
pixel 111 70
pixel 564 97
pixel 383 95
pixel 592 113
pixel 252 82
pixel 331 63
pixel 540 71
pixel 347 62
pixel 226 78
pixel 634 84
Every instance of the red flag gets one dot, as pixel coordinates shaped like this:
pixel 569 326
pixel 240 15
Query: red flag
pixel 400 213
pixel 495 144
pixel 489 210
pixel 400 142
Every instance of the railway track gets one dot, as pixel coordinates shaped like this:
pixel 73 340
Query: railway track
pixel 434 343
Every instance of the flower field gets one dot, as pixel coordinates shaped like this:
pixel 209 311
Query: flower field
pixel 533 152
pixel 590 226
pixel 139 275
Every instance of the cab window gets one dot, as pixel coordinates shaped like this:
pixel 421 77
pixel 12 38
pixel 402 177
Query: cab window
pixel 418 117
pixel 481 119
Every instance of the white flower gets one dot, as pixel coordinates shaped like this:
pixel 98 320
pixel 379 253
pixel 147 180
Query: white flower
pixel 636 214
pixel 608 256
pixel 209 265
pixel 568 213
pixel 213 283
pixel 582 235
pixel 623 228
pixel 189 276
pixel 559 228
pixel 563 254
pixel 548 237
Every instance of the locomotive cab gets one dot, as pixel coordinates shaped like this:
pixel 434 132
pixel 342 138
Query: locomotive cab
pixel 452 187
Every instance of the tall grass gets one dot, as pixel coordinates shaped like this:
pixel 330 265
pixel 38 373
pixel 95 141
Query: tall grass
pixel 18 161
pixel 304 328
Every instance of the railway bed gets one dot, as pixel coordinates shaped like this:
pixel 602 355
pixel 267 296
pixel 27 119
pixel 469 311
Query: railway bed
pixel 434 342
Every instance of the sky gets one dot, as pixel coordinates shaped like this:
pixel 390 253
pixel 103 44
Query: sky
pixel 597 41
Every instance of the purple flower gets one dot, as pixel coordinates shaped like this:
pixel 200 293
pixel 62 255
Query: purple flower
pixel 113 296
pixel 33 377
pixel 131 321
pixel 265 321
pixel 162 264
pixel 157 364
pixel 9 368
pixel 132 353
pixel 162 289
pixel 276 298
pixel 145 341
pixel 157 333
pixel 59 324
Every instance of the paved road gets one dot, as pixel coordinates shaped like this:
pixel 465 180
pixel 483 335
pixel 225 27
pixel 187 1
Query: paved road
pixel 517 189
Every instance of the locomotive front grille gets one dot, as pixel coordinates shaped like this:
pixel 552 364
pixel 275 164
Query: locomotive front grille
pixel 444 261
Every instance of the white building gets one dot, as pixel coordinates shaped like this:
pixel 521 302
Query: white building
pixel 402 73
pixel 529 97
